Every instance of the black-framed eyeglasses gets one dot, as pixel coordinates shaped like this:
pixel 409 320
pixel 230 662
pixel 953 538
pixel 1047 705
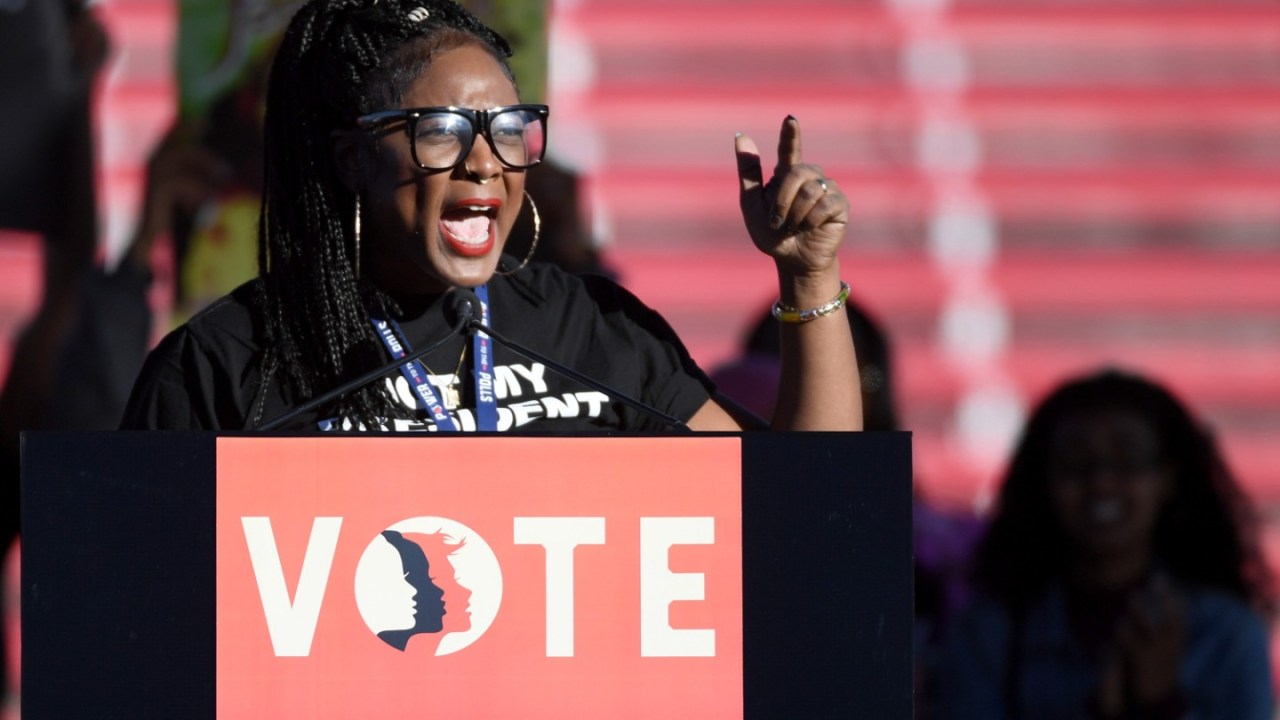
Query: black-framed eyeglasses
pixel 440 138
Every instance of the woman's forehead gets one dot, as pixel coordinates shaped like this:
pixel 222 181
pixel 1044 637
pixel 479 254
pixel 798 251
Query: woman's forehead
pixel 464 76
pixel 1110 425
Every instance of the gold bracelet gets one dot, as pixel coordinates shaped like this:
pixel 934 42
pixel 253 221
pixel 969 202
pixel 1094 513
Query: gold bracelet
pixel 787 314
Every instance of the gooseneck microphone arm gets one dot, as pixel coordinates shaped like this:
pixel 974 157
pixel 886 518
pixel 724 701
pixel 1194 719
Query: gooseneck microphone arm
pixel 474 325
pixel 461 308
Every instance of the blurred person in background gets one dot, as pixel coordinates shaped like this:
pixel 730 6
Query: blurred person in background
pixel 1121 575
pixel 943 541
pixel 50 56
pixel 751 379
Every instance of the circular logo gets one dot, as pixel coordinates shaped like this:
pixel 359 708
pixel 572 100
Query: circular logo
pixel 430 580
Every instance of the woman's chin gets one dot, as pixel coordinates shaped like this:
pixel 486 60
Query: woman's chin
pixel 467 265
pixel 469 271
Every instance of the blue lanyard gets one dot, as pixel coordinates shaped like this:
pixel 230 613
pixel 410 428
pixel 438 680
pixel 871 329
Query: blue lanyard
pixel 415 373
pixel 482 347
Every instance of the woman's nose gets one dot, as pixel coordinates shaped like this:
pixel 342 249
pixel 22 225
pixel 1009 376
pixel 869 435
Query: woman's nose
pixel 482 164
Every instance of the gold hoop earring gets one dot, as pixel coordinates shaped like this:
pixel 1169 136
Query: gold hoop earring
pixel 537 231
pixel 355 261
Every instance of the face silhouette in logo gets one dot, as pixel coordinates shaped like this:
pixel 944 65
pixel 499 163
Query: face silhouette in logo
pixel 426 599
pixel 412 589
pixel 429 579
pixel 457 599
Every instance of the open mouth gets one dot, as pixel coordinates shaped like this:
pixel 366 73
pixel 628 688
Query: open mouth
pixel 469 227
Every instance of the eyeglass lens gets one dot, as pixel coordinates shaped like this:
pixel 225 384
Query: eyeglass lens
pixel 441 140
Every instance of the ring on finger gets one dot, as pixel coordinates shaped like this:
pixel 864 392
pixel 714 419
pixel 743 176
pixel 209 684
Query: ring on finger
pixel 822 183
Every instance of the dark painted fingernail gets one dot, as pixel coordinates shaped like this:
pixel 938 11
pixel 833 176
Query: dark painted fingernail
pixel 775 221
pixel 792 117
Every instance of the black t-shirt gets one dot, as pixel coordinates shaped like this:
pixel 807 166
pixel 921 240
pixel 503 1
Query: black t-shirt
pixel 205 375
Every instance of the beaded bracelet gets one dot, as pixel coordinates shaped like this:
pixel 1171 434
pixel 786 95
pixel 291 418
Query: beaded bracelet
pixel 787 314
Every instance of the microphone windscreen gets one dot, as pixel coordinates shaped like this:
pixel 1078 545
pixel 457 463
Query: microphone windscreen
pixel 463 306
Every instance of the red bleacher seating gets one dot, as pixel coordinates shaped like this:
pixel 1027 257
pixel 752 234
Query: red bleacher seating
pixel 1127 157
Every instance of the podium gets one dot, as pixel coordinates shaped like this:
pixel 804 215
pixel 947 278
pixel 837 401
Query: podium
pixel 193 575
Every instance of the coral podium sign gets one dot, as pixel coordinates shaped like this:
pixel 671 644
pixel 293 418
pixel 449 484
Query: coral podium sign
pixel 479 577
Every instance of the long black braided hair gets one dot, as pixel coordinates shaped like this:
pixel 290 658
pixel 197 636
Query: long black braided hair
pixel 338 59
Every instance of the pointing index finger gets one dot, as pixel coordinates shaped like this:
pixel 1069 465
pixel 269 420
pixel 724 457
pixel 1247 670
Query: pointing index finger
pixel 749 173
pixel 788 145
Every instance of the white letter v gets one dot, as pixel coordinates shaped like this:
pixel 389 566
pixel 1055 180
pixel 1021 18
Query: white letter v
pixel 292 624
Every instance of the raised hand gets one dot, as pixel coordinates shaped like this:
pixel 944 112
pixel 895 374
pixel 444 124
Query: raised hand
pixel 1140 669
pixel 799 216
pixel 1152 639
pixel 181 176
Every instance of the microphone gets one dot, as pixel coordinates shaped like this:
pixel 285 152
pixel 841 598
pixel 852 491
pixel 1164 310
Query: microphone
pixel 463 307
pixel 460 306
pixel 467 298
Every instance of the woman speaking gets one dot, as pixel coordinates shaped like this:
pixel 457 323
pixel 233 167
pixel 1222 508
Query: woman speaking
pixel 396 153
